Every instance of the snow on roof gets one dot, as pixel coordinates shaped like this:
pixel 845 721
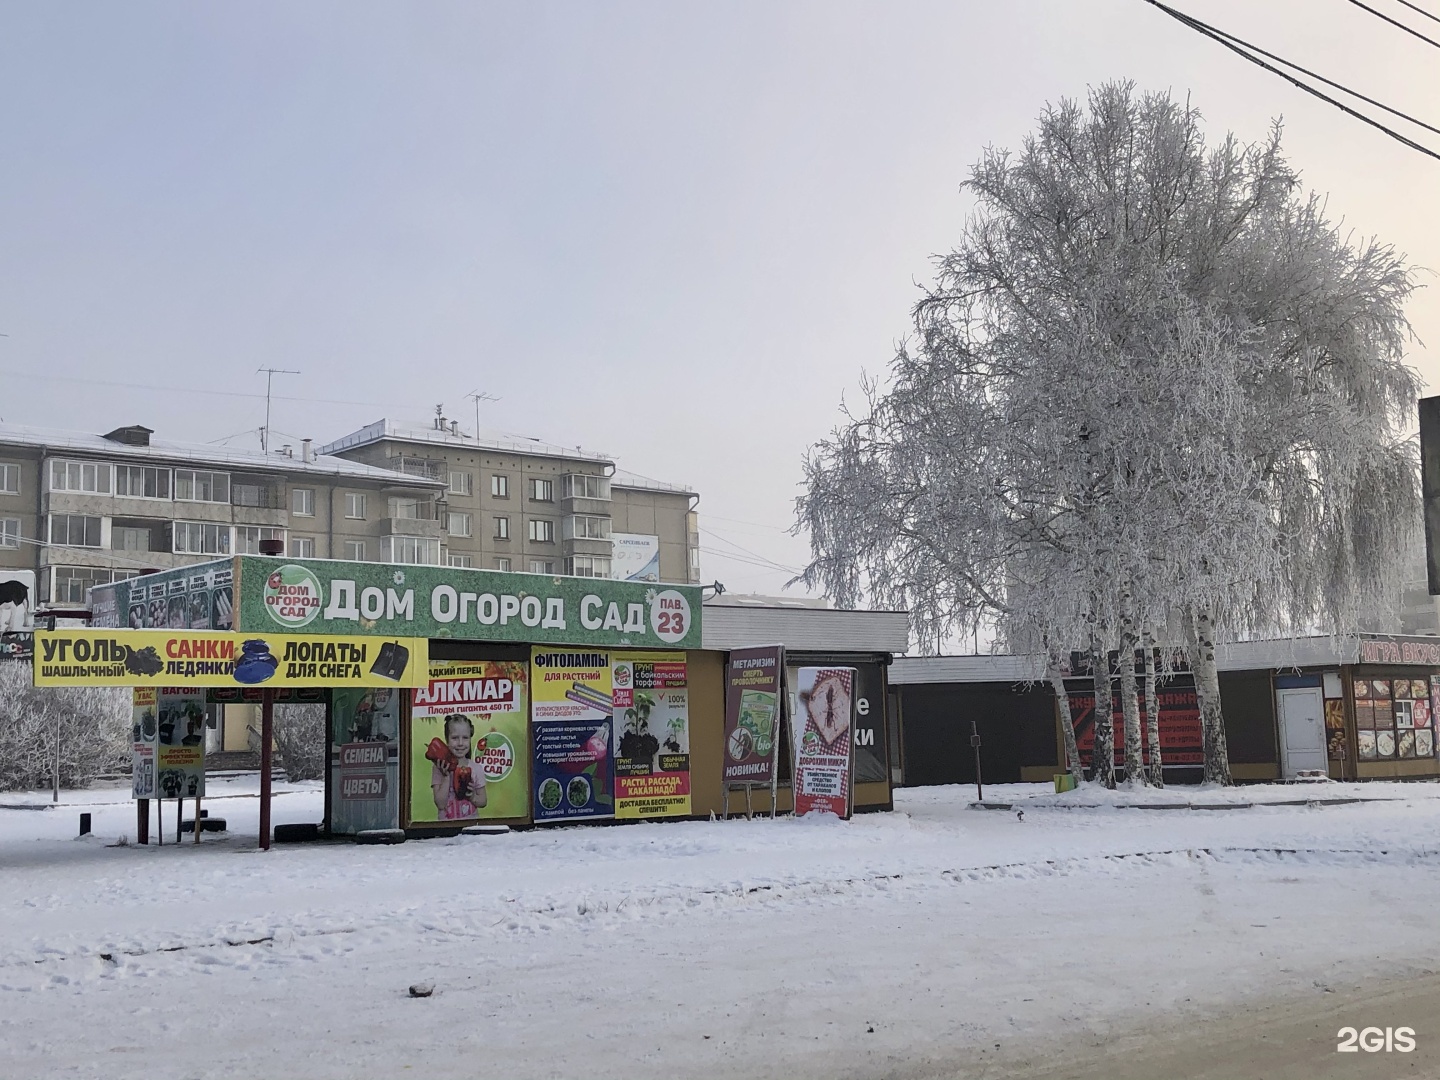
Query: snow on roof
pixel 624 479
pixel 817 629
pixel 383 429
pixel 158 450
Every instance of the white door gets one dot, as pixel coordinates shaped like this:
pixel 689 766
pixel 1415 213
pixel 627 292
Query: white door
pixel 1302 731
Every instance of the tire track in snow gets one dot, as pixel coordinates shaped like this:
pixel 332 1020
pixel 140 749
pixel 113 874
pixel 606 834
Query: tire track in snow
pixel 545 912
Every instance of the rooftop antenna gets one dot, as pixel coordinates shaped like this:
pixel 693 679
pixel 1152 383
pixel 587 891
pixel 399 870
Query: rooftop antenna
pixel 270 373
pixel 478 396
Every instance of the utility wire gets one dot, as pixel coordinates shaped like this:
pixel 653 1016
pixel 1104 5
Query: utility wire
pixel 1420 10
pixel 73 380
pixel 1397 22
pixel 1328 82
pixel 1234 45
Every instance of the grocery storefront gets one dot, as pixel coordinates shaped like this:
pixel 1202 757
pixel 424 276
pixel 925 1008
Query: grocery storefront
pixel 453 696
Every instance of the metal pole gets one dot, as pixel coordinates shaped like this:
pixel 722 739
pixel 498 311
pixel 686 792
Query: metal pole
pixel 975 742
pixel 267 739
pixel 55 779
pixel 197 819
pixel 142 821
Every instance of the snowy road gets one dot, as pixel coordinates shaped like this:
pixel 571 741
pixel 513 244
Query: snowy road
pixel 936 940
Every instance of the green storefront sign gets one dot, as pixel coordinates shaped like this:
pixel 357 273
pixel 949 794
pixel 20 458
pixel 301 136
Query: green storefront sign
pixel 324 596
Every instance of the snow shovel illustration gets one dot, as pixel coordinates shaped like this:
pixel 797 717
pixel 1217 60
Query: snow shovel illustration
pixel 391 661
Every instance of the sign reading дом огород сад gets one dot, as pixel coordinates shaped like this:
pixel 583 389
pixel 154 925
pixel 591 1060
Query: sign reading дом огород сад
pixel 331 597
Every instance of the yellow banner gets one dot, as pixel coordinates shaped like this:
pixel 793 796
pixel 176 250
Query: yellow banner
pixel 95 657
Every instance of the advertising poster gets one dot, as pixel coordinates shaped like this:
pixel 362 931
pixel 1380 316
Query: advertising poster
pixel 634 557
pixel 17 618
pixel 144 733
pixel 364 760
pixel 752 714
pixel 824 718
pixel 187 598
pixel 652 725
pixel 17 601
pixel 180 743
pixel 573 772
pixel 1181 746
pixel 469 752
pixel 86 656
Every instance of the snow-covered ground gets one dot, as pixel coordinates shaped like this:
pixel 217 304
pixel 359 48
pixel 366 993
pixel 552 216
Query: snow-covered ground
pixel 925 940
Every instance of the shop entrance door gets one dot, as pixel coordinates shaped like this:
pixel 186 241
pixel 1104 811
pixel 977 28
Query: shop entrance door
pixel 1302 731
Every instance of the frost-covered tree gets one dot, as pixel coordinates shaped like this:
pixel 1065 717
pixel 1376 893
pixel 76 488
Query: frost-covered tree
pixel 1152 386
pixel 86 727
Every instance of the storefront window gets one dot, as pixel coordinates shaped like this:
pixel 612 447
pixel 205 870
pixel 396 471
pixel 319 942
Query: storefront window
pixel 1394 718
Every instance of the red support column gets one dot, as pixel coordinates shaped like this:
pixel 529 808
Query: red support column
pixel 267 742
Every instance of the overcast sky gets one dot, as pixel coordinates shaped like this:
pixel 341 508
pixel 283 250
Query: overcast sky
pixel 675 233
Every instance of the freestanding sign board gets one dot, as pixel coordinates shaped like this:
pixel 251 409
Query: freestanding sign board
pixel 754 680
pixel 824 719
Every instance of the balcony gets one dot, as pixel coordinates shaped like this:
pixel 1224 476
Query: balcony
pixel 426 468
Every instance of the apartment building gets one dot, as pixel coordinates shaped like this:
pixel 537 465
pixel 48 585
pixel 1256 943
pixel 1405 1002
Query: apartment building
pixel 80 509
pixel 520 504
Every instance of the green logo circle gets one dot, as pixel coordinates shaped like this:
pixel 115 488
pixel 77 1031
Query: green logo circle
pixel 293 595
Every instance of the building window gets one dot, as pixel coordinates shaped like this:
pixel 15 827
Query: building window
pixel 586 527
pixel 587 566
pixel 195 485
pixel 9 533
pixel 577 486
pixel 542 490
pixel 302 547
pixel 9 478
pixel 411 550
pixel 355 550
pixel 73 583
pixel 1393 719
pixel 248 537
pixel 405 509
pixel 542 566
pixel 502 528
pixel 459 524
pixel 461 483
pixel 128 538
pixel 464 562
pixel 302 502
pixel 500 486
pixel 542 530
pixel 142 482
pixel 74 530
pixel 201 538
pixel 355 504
pixel 80 476
pixel 252 495
pixel 502 564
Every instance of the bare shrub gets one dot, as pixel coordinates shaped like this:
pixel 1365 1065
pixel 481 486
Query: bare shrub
pixel 300 739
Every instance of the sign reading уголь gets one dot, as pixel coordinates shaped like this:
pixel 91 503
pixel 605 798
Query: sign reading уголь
pixel 88 656
pixel 331 597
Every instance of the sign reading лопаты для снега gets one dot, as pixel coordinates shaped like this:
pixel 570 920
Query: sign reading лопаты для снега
pixel 327 597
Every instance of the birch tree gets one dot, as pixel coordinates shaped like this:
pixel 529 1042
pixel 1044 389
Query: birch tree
pixel 1151 378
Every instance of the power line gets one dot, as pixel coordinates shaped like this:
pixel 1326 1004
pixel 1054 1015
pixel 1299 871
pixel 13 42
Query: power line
pixel 72 380
pixel 1329 82
pixel 1420 10
pixel 1234 45
pixel 1397 22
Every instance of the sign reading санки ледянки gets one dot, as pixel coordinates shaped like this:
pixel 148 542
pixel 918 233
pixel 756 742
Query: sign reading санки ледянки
pixel 108 657
pixel 329 597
